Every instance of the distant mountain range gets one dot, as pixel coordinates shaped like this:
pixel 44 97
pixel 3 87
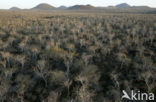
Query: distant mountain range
pixel 45 6
pixel 119 7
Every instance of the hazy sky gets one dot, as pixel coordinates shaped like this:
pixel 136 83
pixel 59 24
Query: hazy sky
pixel 5 4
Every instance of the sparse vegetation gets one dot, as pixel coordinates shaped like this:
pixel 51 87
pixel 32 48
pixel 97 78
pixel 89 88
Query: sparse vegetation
pixel 75 57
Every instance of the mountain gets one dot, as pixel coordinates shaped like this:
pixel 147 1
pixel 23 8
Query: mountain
pixel 62 8
pixel 123 5
pixel 80 7
pixel 43 6
pixel 15 8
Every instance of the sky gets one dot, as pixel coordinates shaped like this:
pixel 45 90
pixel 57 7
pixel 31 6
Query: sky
pixel 6 4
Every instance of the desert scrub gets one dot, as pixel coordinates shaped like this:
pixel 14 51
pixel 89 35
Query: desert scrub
pixel 75 57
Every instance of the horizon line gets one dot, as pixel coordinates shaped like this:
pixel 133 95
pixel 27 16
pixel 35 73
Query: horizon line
pixel 77 4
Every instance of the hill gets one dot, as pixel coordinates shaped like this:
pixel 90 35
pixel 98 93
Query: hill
pixel 77 7
pixel 62 8
pixel 123 5
pixel 43 6
pixel 14 8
